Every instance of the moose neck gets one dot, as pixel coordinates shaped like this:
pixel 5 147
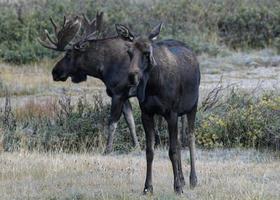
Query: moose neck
pixel 105 56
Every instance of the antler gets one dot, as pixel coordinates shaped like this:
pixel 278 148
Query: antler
pixel 99 21
pixel 64 35
pixel 92 27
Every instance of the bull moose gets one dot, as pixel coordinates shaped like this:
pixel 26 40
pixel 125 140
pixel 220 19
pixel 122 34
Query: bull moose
pixel 105 59
pixel 167 77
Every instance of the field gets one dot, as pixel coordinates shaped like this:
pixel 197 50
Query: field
pixel 52 134
pixel 222 174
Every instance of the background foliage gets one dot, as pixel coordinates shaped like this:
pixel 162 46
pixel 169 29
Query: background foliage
pixel 239 119
pixel 206 26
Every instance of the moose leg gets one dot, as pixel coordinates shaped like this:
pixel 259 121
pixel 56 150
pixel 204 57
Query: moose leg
pixel 191 120
pixel 115 114
pixel 181 175
pixel 158 126
pixel 183 138
pixel 128 116
pixel 174 156
pixel 148 123
pixel 182 142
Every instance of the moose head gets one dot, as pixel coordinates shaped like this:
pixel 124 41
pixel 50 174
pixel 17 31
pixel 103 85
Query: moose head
pixel 142 57
pixel 76 54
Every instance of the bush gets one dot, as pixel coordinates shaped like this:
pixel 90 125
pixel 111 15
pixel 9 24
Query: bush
pixel 242 120
pixel 239 119
pixel 200 23
pixel 250 27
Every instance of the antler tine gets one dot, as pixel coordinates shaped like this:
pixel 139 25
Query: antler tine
pixel 48 45
pixel 49 37
pixel 64 21
pixel 54 26
pixel 86 20
pixel 64 36
pixel 99 19
pixel 89 26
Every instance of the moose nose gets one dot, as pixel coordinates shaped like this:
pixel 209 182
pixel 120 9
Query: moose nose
pixel 55 74
pixel 133 78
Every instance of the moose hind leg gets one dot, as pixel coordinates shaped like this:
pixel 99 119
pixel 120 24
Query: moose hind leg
pixel 183 130
pixel 191 139
pixel 115 114
pixel 128 116
pixel 174 150
pixel 148 123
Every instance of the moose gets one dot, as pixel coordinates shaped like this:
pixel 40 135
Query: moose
pixel 105 59
pixel 166 76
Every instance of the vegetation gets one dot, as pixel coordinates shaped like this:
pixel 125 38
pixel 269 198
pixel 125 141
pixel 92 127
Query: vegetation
pixel 242 119
pixel 206 26
pixel 239 119
pixel 222 174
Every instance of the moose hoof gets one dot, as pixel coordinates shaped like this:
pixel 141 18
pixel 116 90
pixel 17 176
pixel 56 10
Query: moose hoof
pixel 178 190
pixel 193 182
pixel 148 190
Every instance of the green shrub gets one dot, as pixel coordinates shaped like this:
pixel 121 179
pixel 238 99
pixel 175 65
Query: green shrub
pixel 241 120
pixel 250 27
pixel 201 24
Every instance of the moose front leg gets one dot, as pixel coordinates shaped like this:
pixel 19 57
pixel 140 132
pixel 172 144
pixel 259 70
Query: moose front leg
pixel 148 123
pixel 174 151
pixel 115 114
pixel 158 127
pixel 181 175
pixel 128 116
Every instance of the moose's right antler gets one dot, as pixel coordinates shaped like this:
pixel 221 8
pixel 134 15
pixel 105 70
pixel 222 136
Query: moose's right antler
pixel 64 35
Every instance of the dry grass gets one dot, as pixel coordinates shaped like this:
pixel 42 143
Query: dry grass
pixel 245 70
pixel 223 174
pixel 36 79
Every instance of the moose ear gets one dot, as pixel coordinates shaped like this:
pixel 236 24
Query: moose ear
pixel 124 32
pixel 155 32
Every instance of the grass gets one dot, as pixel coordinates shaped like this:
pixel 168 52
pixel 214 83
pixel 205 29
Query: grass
pixel 223 174
pixel 36 79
